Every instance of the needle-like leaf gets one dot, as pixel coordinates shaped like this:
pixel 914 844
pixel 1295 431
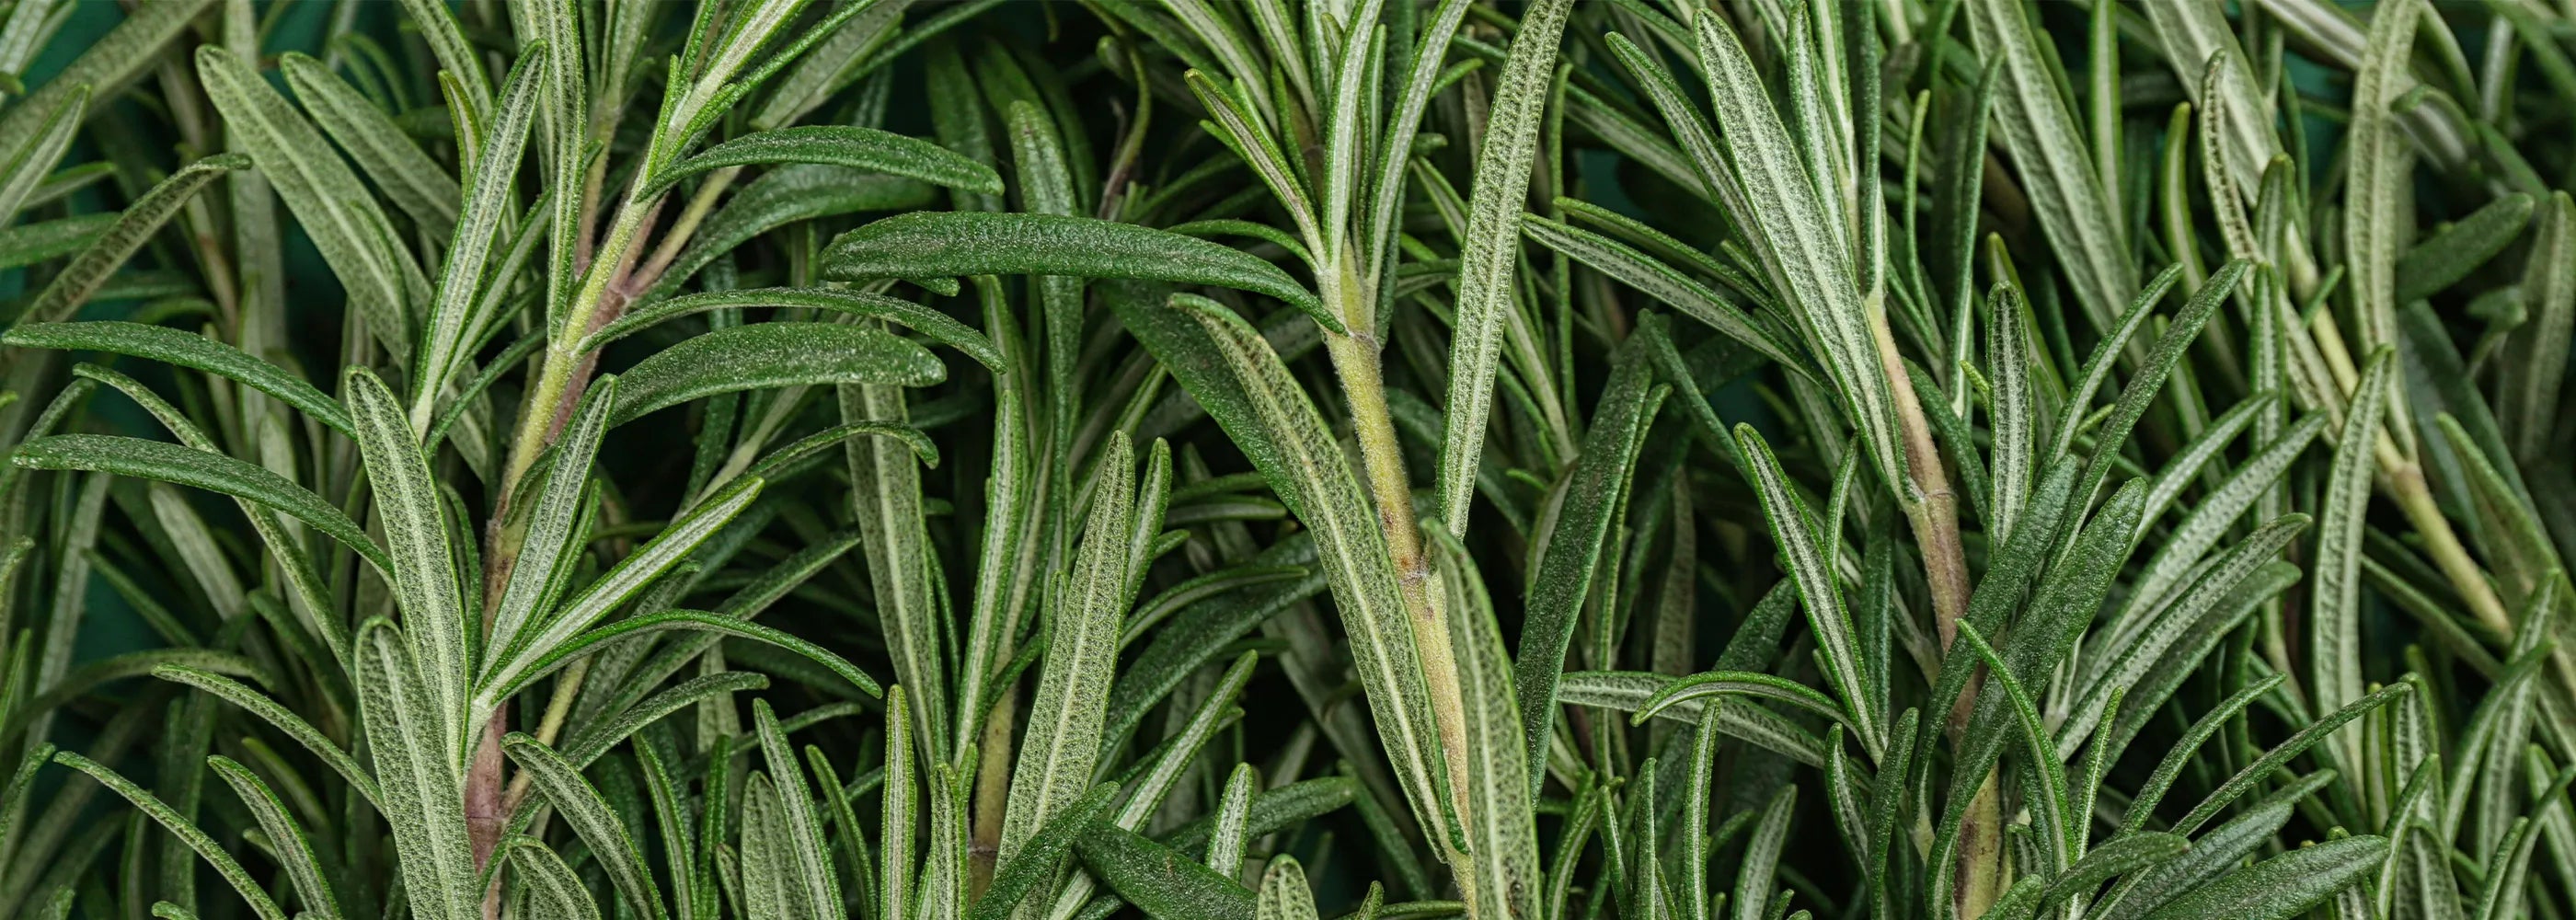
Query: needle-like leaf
pixel 385 285
pixel 1488 249
pixel 766 355
pixel 950 244
pixel 839 145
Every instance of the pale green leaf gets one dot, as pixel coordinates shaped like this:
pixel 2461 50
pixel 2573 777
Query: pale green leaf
pixel 487 218
pixel 1502 836
pixel 1057 755
pixel 2380 162
pixel 1489 249
pixel 406 174
pixel 554 891
pixel 886 500
pixel 1627 691
pixel 551 538
pixel 810 873
pixel 2435 263
pixel 2335 613
pixel 2280 755
pixel 1818 591
pixel 2051 807
pixel 1660 281
pixel 1753 878
pixel 1350 543
pixel 590 742
pixel 1284 895
pixel 2050 153
pixel 385 286
pixel 590 816
pixel 543 662
pixel 1225 846
pixel 2214 852
pixel 424 575
pixel 28 244
pixel 2145 636
pixel 546 640
pixel 897 806
pixel 1739 683
pixel 424 785
pixel 1802 248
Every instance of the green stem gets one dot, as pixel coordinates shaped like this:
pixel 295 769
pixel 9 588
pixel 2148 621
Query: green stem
pixel 2406 483
pixel 1356 360
pixel 700 204
pixel 555 377
pixel 487 806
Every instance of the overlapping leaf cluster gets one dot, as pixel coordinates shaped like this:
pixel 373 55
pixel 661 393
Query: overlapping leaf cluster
pixel 1394 459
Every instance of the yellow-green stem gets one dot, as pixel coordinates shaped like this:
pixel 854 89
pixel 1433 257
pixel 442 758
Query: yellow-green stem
pixel 537 419
pixel 1355 359
pixel 700 204
pixel 549 726
pixel 992 792
pixel 2406 483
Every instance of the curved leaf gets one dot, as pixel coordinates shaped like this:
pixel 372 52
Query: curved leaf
pixel 591 641
pixel 135 226
pixel 185 349
pixel 590 817
pixel 2282 886
pixel 1661 281
pixel 1157 880
pixel 1737 683
pixel 765 355
pixel 933 244
pixel 938 326
pixel 286 839
pixel 554 891
pixel 341 216
pixel 783 196
pixel 243 883
pixel 416 183
pixel 839 145
pixel 188 466
pixel 258 704
pixel 610 591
